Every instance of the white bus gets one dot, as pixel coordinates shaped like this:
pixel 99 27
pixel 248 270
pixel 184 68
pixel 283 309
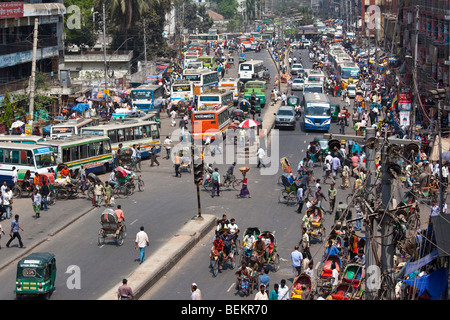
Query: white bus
pixel 231 84
pixel 93 153
pixel 214 98
pixel 251 69
pixel 69 128
pixel 181 90
pixel 316 76
pixel 36 158
pixel 128 133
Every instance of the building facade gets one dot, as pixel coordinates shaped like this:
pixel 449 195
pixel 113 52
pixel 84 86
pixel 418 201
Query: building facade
pixel 17 21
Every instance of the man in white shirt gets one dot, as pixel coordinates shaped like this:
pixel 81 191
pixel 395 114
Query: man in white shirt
pixel 168 146
pixel 283 291
pixel 260 153
pixel 14 175
pixel 141 242
pixel 262 294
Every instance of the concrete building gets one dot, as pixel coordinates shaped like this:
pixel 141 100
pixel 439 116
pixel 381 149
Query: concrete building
pixel 16 41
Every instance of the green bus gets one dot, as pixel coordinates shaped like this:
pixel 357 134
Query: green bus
pixel 259 88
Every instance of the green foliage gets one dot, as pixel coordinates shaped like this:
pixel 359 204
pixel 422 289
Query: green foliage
pixel 227 8
pixel 7 112
pixel 84 36
pixel 198 18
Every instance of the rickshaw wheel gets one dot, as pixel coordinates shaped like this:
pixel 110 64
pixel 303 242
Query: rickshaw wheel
pixel 276 262
pixel 119 238
pixel 141 185
pixel 124 231
pixel 101 237
pixel 90 194
pixel 215 267
pixel 62 194
pixel 17 193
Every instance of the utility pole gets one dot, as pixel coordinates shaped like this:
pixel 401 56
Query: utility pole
pixel 145 46
pixel 104 48
pixel 33 71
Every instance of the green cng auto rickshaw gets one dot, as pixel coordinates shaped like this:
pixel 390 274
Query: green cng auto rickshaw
pixel 335 110
pixel 259 89
pixel 36 275
pixel 293 101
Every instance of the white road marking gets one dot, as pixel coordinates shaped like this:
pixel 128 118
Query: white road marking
pixel 133 222
pixel 231 287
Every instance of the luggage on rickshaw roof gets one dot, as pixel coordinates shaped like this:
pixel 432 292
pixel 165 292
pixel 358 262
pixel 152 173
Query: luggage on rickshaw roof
pixel 121 172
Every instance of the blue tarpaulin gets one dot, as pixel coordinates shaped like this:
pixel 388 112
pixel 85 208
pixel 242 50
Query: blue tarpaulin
pixel 415 265
pixel 434 284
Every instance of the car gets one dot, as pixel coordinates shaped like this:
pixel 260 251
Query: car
pixel 285 117
pixel 295 67
pixel 306 44
pixel 295 44
pixel 351 90
pixel 297 84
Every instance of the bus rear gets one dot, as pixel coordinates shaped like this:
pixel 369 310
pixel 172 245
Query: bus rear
pixel 317 112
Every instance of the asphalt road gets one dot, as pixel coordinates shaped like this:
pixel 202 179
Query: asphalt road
pixel 263 211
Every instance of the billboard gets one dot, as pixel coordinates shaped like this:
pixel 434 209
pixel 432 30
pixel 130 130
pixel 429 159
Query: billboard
pixel 11 10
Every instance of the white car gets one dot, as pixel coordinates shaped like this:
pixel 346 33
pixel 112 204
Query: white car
pixel 297 84
pixel 296 67
pixel 351 90
pixel 306 44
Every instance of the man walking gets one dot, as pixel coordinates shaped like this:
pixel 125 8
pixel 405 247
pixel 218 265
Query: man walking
pixel 141 242
pixel 14 233
pixel 153 156
pixel 168 146
pixel 177 164
pixel 332 197
pixel 260 154
pixel 124 292
pixel 36 202
pixel 215 180
pixel 296 258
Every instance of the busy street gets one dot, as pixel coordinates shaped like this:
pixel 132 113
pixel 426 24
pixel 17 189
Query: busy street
pixel 283 161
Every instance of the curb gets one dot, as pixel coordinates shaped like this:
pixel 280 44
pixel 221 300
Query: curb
pixel 30 249
pixel 164 259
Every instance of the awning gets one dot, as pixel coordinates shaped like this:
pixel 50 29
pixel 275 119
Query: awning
pixel 434 284
pixel 415 265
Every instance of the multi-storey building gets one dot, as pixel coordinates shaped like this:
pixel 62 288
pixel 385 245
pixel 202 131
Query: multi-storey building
pixel 16 40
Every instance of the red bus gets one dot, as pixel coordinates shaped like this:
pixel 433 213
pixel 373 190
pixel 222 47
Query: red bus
pixel 210 121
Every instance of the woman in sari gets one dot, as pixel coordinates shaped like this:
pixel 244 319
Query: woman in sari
pixel 244 190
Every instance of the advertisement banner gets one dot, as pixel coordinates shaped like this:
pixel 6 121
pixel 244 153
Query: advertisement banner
pixel 404 118
pixel 11 10
pixel 404 101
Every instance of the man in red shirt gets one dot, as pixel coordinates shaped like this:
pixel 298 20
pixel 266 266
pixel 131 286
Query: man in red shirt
pixel 120 215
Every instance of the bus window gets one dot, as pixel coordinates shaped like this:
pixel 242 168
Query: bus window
pixel 112 134
pixel 66 155
pixel 120 135
pixel 147 130
pixel 84 151
pixel 155 133
pixel 138 133
pixel 107 147
pixel 74 153
pixel 91 149
pixel 129 134
pixel 1 156
pixel 23 157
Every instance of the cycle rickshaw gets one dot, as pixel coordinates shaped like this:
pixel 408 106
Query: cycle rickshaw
pixel 111 227
pixel 317 229
pixel 24 186
pixel 217 259
pixel 272 258
pixel 289 193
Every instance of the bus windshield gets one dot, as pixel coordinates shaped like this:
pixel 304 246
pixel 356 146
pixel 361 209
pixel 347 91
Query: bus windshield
pixel 317 89
pixel 318 111
pixel 350 73
pixel 245 67
pixel 44 160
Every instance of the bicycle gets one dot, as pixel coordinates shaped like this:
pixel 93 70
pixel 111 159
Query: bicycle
pixel 231 182
pixel 140 184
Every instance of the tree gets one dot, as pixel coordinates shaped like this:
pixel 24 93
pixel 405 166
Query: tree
pixel 198 18
pixel 85 34
pixel 227 8
pixel 7 116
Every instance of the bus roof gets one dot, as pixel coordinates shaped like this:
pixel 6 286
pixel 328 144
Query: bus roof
pixel 22 137
pixel 148 86
pixel 119 124
pixel 198 71
pixel 252 62
pixel 20 146
pixel 73 140
pixel 316 97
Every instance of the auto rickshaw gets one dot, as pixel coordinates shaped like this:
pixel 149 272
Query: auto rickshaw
pixel 293 101
pixel 36 274
pixel 335 110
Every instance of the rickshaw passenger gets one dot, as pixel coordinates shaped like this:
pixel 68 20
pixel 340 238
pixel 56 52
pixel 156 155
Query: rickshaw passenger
pixel 113 180
pixel 227 239
pixel 218 246
pixel 267 243
pixel 259 248
pixel 249 240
